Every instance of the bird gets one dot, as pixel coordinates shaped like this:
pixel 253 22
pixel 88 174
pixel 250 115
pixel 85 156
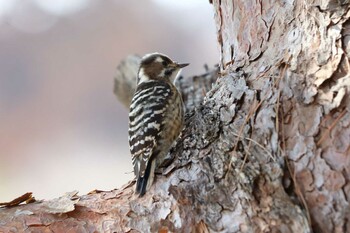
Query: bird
pixel 156 116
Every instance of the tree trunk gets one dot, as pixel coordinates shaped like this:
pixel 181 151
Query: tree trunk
pixel 265 149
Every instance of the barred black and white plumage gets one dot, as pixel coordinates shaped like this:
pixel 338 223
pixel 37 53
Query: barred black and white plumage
pixel 155 118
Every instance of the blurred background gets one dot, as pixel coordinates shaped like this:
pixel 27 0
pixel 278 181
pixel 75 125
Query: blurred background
pixel 61 127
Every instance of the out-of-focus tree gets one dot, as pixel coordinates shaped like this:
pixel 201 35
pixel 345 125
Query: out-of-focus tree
pixel 264 149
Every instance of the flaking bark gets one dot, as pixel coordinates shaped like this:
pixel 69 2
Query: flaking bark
pixel 265 147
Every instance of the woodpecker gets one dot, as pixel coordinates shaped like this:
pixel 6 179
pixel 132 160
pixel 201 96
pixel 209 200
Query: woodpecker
pixel 156 116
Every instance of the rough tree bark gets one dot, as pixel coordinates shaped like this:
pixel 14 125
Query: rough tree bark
pixel 265 148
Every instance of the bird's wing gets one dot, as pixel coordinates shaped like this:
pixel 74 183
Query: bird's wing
pixel 145 122
pixel 141 157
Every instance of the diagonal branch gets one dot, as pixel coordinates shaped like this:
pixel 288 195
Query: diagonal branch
pixel 199 193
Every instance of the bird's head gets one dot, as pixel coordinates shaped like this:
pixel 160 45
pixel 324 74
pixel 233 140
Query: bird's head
pixel 156 66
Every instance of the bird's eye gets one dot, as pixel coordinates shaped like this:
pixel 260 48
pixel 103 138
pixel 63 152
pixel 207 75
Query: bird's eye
pixel 168 72
pixel 164 63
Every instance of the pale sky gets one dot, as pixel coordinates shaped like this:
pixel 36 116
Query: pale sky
pixel 61 127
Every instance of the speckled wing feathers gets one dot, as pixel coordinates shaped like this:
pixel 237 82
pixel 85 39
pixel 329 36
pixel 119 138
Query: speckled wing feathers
pixel 145 122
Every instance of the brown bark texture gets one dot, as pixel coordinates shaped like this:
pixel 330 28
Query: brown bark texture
pixel 266 142
pixel 295 53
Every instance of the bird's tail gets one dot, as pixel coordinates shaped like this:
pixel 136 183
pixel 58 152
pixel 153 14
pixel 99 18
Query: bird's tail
pixel 144 182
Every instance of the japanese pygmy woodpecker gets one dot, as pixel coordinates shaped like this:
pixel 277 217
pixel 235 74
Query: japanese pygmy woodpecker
pixel 156 116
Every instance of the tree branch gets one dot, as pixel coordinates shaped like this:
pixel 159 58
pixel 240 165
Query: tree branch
pixel 211 185
pixel 278 113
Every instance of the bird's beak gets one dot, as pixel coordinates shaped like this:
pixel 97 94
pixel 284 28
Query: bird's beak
pixel 181 65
